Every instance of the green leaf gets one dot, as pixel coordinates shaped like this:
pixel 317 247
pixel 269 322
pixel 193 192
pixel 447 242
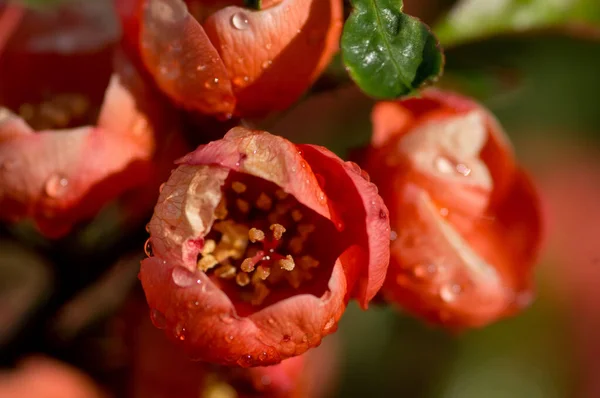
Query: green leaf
pixel 474 19
pixel 255 4
pixel 387 53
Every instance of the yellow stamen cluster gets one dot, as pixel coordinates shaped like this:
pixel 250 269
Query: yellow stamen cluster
pixel 251 256
pixel 57 112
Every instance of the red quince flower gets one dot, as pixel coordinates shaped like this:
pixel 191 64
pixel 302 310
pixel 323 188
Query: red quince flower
pixel 73 137
pixel 257 246
pixel 220 58
pixel 465 216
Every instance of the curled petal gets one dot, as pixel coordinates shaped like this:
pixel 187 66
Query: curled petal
pixel 359 211
pixel 178 53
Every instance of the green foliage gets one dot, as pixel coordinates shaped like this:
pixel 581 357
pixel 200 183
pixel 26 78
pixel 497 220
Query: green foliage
pixel 255 4
pixel 388 53
pixel 475 19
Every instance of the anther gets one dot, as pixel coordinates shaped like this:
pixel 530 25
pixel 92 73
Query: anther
pixel 256 235
pixel 243 205
pixel 221 209
pixel 305 229
pixel 226 271
pixel 264 202
pixel 287 263
pixel 248 265
pixel 281 194
pixel 307 262
pixel 209 247
pixel 278 230
pixel 262 272
pixel 242 279
pixel 207 262
pixel 238 187
pixel 296 215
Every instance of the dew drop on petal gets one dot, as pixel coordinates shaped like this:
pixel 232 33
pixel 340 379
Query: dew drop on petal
pixel 463 169
pixel 262 356
pixel 449 292
pixel 240 21
pixel 56 186
pixel 245 361
pixel 444 212
pixel 148 248
pixel 286 338
pixel 329 324
pixel 158 319
pixel 393 235
pixel 182 277
pixel 266 64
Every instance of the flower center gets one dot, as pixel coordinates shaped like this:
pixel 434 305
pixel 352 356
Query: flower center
pixel 263 240
pixel 59 111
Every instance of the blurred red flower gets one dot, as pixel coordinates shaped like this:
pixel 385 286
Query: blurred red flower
pixel 46 378
pixel 465 217
pixel 161 370
pixel 257 246
pixel 220 58
pixel 73 137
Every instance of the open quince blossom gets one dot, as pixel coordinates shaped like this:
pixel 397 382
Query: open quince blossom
pixel 256 246
pixel 73 137
pixel 465 216
pixel 220 58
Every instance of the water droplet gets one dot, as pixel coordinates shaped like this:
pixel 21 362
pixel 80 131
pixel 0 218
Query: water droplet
pixel 449 292
pixel 305 339
pixel 444 212
pixel 393 235
pixel 226 318
pixel 158 319
pixel 148 248
pixel 262 356
pixel 329 324
pixel 229 338
pixel 444 165
pixel 286 338
pixel 179 332
pixel 424 270
pixel 201 68
pixel 463 169
pixel 211 83
pixel 182 277
pixel 56 186
pixel 239 21
pixel 245 361
pixel 268 46
pixel 266 64
pixel 271 321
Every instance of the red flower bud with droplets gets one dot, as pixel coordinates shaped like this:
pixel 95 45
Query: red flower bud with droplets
pixel 257 246
pixel 465 217
pixel 72 137
pixel 220 58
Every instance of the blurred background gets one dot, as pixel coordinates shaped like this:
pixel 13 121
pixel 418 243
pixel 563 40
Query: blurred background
pixel 535 64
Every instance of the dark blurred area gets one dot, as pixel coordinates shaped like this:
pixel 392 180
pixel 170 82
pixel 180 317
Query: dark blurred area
pixel 66 305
